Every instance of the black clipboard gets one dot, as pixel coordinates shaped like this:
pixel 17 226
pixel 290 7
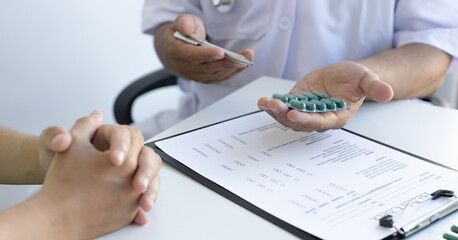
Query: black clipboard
pixel 249 206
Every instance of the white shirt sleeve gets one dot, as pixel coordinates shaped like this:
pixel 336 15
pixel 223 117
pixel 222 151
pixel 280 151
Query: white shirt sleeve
pixel 157 12
pixel 430 22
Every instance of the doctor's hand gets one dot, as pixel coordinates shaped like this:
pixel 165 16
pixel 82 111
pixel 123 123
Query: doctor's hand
pixel 116 140
pixel 198 63
pixel 346 80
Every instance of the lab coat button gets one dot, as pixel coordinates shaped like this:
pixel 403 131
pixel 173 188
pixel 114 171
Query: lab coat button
pixel 284 23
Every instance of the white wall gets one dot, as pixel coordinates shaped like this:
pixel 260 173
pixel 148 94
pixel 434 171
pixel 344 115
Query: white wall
pixel 59 60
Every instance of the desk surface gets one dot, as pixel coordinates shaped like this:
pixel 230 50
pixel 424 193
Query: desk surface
pixel 187 210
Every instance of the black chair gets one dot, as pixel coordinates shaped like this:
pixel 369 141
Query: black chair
pixel 125 100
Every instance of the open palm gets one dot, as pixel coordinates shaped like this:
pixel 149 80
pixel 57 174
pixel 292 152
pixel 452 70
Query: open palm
pixel 346 80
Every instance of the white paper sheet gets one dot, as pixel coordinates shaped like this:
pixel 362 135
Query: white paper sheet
pixel 334 185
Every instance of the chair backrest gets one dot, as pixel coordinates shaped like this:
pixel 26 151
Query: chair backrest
pixel 125 100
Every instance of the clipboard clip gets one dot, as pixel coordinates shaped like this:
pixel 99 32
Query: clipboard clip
pixel 388 221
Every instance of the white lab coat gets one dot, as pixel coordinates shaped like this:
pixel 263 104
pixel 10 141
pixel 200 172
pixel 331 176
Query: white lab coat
pixel 291 38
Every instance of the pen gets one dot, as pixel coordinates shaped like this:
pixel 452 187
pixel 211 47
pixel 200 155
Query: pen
pixel 227 54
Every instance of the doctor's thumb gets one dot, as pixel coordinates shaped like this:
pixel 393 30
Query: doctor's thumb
pixel 376 89
pixel 190 25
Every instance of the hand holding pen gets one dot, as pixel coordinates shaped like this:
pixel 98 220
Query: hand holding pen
pixel 235 57
pixel 187 54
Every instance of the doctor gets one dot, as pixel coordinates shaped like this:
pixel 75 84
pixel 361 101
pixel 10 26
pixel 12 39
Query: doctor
pixel 353 50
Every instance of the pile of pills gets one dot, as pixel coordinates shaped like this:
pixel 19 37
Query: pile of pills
pixel 311 102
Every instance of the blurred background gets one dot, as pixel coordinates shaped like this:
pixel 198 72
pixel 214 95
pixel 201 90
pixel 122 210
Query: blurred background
pixel 59 60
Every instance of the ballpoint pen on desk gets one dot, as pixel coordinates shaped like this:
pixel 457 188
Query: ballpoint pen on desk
pixel 227 54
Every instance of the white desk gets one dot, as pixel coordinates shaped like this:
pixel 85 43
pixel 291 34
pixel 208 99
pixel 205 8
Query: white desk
pixel 187 210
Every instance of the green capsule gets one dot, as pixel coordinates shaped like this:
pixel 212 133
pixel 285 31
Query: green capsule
pixel 290 97
pixel 300 97
pixel 339 102
pixel 320 95
pixel 329 104
pixel 309 106
pixel 450 236
pixel 454 228
pixel 310 96
pixel 297 104
pixel 280 97
pixel 319 105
